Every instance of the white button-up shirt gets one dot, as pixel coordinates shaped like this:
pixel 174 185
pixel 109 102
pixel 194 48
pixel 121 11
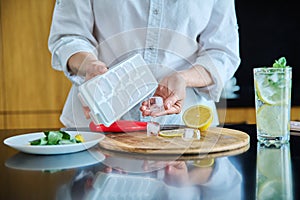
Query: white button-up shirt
pixel 172 35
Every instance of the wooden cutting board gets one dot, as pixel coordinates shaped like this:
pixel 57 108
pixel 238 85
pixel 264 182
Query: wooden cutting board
pixel 172 157
pixel 213 140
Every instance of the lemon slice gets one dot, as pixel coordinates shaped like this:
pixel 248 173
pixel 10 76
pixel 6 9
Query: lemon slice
pixel 273 189
pixel 79 138
pixel 270 89
pixel 269 121
pixel 268 163
pixel 171 133
pixel 208 162
pixel 198 116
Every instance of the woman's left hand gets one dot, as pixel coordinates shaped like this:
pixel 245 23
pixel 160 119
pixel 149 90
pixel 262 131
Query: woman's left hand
pixel 173 90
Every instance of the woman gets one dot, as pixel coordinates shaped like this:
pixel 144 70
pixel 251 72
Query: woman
pixel 190 46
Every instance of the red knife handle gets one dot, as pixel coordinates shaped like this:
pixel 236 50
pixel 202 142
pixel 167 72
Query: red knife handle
pixel 120 126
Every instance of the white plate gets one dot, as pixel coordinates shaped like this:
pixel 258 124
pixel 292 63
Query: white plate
pixel 21 143
pixel 23 161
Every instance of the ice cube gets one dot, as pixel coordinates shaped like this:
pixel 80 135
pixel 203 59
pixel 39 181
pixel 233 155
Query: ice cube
pixel 155 104
pixel 191 133
pixel 153 128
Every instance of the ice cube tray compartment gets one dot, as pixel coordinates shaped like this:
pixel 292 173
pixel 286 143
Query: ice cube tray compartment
pixel 116 186
pixel 109 96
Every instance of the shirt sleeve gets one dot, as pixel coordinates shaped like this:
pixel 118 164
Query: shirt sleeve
pixel 219 47
pixel 71 32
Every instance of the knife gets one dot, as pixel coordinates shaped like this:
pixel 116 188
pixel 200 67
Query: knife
pixel 129 126
pixel 121 126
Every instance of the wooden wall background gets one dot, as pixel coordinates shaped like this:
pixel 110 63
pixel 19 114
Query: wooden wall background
pixel 32 94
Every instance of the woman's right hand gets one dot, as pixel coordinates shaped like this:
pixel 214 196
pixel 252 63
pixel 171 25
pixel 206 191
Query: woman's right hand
pixel 87 65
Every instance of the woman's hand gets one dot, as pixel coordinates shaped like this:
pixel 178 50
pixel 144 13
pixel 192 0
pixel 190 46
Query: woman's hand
pixel 176 172
pixel 87 65
pixel 172 90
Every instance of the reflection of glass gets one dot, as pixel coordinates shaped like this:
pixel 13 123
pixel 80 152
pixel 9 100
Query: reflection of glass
pixel 273 173
pixel 273 104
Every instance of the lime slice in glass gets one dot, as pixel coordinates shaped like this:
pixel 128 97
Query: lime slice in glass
pixel 268 93
pixel 269 163
pixel 272 189
pixel 269 121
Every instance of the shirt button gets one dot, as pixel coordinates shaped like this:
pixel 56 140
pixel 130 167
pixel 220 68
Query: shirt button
pixel 151 48
pixel 155 11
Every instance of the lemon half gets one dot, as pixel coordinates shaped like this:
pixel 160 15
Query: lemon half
pixel 198 116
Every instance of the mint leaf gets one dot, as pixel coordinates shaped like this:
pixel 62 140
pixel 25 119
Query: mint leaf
pixel 54 137
pixel 280 63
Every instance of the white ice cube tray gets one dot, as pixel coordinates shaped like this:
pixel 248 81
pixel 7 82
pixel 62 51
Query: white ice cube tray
pixel 117 186
pixel 110 95
pixel 113 186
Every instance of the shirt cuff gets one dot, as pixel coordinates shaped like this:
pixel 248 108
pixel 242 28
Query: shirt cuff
pixel 67 48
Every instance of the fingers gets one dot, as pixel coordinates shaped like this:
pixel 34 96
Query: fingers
pixel 172 105
pixel 86 112
pixel 171 102
pixel 95 68
pixel 173 90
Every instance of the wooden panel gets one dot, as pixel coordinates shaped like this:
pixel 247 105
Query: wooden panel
pixel 247 115
pixel 237 115
pixel 31 83
pixel 295 113
pixel 33 120
pixel 1 70
pixel 2 122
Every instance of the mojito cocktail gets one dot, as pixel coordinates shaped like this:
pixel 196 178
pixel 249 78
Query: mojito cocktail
pixel 273 104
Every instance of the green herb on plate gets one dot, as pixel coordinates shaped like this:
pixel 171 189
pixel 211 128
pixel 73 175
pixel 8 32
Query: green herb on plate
pixel 57 138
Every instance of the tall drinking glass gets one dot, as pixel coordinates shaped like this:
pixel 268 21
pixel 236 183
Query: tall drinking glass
pixel 273 104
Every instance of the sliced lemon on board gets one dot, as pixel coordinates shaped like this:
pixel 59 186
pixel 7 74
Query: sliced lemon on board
pixel 269 121
pixel 198 116
pixel 171 133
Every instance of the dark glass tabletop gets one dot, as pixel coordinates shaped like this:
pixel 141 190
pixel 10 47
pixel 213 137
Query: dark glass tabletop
pixel 253 172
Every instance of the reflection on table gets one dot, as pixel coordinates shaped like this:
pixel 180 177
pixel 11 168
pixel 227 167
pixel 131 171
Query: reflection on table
pixel 113 179
pixel 249 173
pixel 274 173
